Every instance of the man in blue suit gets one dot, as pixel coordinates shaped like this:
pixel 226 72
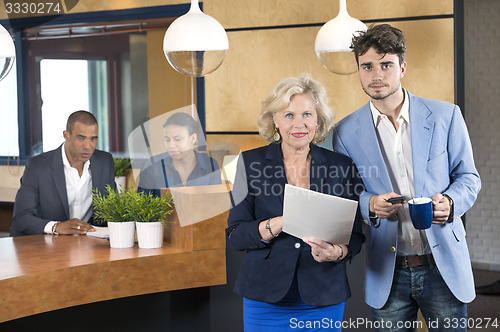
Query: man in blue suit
pixel 55 196
pixel 414 147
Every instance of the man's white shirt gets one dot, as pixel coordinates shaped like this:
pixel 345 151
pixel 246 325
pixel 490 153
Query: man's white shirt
pixel 79 191
pixel 396 151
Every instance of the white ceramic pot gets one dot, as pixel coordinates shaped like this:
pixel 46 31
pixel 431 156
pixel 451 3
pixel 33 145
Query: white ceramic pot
pixel 150 234
pixel 121 234
pixel 121 182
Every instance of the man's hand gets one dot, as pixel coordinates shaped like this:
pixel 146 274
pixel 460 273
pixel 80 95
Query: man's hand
pixel 382 208
pixel 441 209
pixel 74 226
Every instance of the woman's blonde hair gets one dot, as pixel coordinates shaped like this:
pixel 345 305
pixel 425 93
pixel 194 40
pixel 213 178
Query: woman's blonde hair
pixel 279 99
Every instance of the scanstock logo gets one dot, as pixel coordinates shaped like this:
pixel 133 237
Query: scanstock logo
pixel 25 14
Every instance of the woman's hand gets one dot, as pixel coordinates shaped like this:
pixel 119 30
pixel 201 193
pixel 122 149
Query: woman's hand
pixel 323 251
pixel 275 228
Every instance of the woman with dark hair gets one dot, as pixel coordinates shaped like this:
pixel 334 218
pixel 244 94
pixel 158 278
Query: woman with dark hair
pixel 181 165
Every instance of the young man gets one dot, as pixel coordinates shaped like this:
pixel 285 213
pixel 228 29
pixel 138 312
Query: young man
pixel 56 188
pixel 420 148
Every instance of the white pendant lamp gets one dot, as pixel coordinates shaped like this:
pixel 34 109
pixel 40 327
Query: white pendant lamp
pixel 333 41
pixel 195 44
pixel 7 52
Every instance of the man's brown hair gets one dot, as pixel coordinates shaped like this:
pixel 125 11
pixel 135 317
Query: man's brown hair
pixel 384 38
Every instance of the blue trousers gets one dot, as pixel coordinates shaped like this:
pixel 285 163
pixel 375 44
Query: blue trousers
pixel 420 287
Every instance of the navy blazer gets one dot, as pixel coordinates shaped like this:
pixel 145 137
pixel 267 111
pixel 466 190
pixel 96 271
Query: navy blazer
pixel 268 270
pixel 42 196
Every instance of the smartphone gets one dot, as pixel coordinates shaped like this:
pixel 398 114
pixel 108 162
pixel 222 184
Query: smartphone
pixel 396 200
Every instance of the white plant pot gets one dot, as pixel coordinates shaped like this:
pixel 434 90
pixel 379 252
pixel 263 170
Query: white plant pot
pixel 150 234
pixel 121 234
pixel 121 182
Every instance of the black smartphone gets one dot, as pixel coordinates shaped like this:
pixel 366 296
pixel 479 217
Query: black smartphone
pixel 396 200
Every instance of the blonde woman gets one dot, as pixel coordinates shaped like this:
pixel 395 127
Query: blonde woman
pixel 286 281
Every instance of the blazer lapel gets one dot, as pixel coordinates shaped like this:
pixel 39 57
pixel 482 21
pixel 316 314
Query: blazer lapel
pixel 275 170
pixel 317 159
pixel 59 179
pixel 368 145
pixel 421 139
pixel 94 172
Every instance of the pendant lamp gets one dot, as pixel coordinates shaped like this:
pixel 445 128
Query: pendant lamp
pixel 7 52
pixel 333 41
pixel 195 44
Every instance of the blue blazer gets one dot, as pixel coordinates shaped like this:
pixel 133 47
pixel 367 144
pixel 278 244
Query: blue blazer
pixel 442 162
pixel 268 270
pixel 42 196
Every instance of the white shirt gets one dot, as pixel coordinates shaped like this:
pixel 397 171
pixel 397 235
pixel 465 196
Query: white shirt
pixel 396 151
pixel 79 191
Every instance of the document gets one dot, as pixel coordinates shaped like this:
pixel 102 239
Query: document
pixel 307 213
pixel 100 232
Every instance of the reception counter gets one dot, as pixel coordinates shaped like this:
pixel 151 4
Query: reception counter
pixel 41 273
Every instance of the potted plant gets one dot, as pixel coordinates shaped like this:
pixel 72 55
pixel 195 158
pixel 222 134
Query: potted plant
pixel 113 209
pixel 122 168
pixel 150 213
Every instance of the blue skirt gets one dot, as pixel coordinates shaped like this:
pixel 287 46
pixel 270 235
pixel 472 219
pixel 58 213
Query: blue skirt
pixel 291 314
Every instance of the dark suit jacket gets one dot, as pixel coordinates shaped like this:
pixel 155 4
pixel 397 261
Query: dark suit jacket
pixel 42 196
pixel 268 269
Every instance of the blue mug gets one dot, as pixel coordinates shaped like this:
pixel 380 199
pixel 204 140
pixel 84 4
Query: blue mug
pixel 421 212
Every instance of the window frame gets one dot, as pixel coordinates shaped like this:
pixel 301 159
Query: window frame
pixel 24 118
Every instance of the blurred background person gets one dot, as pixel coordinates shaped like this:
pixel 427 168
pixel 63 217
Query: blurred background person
pixel 181 165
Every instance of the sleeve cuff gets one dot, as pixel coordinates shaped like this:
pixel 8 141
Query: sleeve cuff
pixel 48 228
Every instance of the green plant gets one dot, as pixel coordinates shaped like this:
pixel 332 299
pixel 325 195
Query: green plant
pixel 146 207
pixel 122 166
pixel 112 207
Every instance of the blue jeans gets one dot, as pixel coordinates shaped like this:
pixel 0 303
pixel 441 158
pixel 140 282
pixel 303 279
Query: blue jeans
pixel 420 287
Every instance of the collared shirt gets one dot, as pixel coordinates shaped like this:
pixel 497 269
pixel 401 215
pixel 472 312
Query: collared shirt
pixel 79 192
pixel 396 151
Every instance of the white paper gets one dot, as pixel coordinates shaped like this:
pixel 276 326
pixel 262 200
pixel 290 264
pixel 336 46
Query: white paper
pixel 307 213
pixel 100 232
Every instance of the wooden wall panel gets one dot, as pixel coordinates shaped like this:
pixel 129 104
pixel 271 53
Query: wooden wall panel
pixel 258 59
pixel 243 142
pixel 168 89
pixel 84 6
pixel 255 63
pixel 250 13
pixel 255 13
pixel 98 5
pixel 430 58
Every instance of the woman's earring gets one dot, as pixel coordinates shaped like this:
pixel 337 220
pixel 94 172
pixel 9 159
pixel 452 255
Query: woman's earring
pixel 315 138
pixel 277 135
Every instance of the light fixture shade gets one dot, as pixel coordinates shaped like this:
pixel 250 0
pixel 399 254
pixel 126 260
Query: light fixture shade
pixel 7 52
pixel 195 44
pixel 334 39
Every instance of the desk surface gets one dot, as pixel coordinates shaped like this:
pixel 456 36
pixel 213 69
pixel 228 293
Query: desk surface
pixel 41 273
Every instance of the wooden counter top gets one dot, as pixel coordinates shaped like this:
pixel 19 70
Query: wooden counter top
pixel 41 273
